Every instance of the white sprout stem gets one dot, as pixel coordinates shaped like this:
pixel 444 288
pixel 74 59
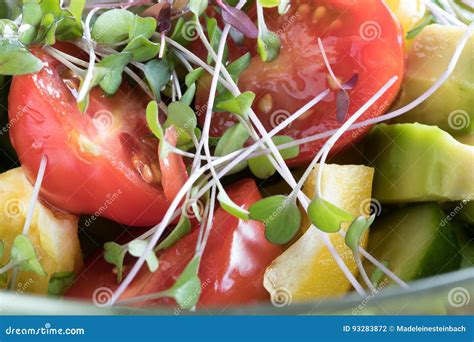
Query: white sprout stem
pixel 328 65
pixel 242 154
pixel 156 236
pixel 202 225
pixel 162 46
pixel 443 16
pixel 287 175
pixel 31 207
pixel 90 71
pixel 398 112
pixel 177 85
pixel 34 196
pixel 330 142
pixel 67 61
pixel 209 223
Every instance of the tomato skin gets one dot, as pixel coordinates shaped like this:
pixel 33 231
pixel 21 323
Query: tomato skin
pixel 173 169
pixel 232 266
pixel 360 37
pixel 90 166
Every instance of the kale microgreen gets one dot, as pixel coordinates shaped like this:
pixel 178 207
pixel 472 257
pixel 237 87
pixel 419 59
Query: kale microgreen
pixel 114 254
pixel 15 59
pixel 231 207
pixel 378 275
pixel 198 6
pixel 157 73
pixel 281 216
pixel 60 282
pixel 184 120
pixel 355 232
pixel 261 166
pixel 326 216
pixel 137 248
pixel 215 34
pixel 180 230
pixel 152 120
pixel 237 105
pixel 233 139
pixel 112 26
pixel 24 256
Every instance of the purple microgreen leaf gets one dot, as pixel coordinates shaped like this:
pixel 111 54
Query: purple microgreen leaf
pixel 342 105
pixel 351 83
pixel 239 20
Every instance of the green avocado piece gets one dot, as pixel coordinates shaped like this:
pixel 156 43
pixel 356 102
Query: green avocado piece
pixel 452 106
pixel 466 213
pixel 419 163
pixel 466 243
pixel 416 241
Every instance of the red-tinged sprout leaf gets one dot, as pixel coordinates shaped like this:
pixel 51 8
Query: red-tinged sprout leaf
pixel 239 20
pixel 351 83
pixel 342 105
pixel 164 19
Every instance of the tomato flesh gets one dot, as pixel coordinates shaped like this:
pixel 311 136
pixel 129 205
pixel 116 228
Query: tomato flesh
pixel 232 265
pixel 359 37
pixel 102 162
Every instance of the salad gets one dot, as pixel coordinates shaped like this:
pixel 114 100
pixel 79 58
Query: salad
pixel 197 154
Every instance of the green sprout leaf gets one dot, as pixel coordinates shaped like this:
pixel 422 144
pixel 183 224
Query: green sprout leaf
pixel 281 217
pixel 112 26
pixel 157 73
pixel 60 282
pixel 355 232
pixel 187 289
pixel 232 140
pixel 378 275
pixel 198 6
pixel 261 166
pixel 268 45
pixel 193 76
pixel 138 247
pixel 238 105
pixel 231 207
pixel 215 34
pixel 182 229
pixel 31 19
pixel 24 255
pixel 183 118
pixel 152 120
pixel 269 3
pixel 111 67
pixel 142 27
pixel 114 254
pixel 142 49
pixel 2 248
pixel 16 60
pixel 326 216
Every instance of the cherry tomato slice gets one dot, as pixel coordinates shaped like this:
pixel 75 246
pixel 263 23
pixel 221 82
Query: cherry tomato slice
pixel 232 265
pixel 359 37
pixel 173 169
pixel 102 162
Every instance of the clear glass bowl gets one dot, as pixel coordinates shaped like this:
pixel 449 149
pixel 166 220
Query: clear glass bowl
pixel 447 294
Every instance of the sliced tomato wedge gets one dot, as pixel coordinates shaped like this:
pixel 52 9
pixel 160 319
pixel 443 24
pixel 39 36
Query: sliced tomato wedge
pixel 102 162
pixel 173 169
pixel 232 265
pixel 359 37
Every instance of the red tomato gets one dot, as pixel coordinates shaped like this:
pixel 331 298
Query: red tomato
pixel 232 266
pixel 360 37
pixel 173 169
pixel 102 162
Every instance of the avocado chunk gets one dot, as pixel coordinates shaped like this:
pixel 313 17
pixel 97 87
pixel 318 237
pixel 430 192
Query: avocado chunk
pixel 419 163
pixel 451 107
pixel 416 241
pixel 467 213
